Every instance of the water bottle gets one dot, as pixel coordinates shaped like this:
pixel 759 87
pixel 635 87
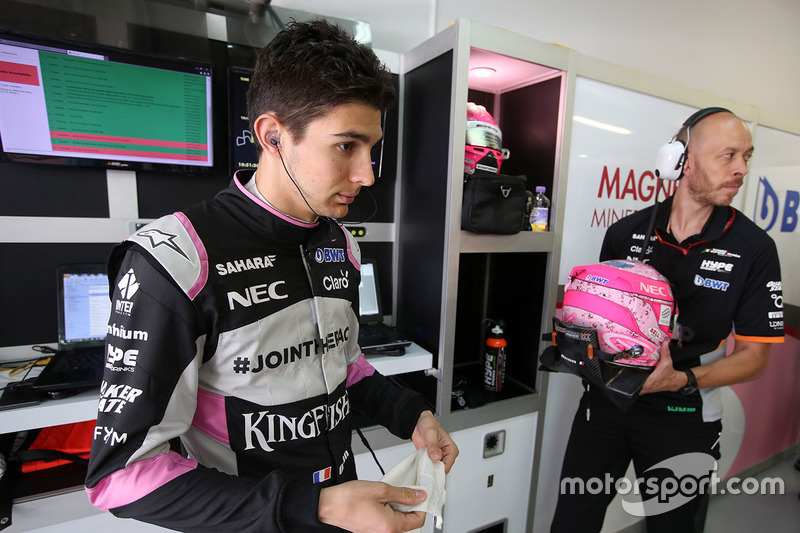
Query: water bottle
pixel 540 211
pixel 494 359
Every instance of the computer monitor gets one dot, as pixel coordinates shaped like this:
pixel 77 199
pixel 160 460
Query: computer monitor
pixel 369 304
pixel 82 104
pixel 84 306
pixel 242 146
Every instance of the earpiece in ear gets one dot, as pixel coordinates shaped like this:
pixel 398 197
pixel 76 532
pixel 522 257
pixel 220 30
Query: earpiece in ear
pixel 669 160
pixel 275 139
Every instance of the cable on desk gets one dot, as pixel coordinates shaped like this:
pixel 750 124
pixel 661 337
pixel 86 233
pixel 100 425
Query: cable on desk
pixel 15 368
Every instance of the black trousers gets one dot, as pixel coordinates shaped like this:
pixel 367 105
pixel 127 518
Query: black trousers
pixel 602 445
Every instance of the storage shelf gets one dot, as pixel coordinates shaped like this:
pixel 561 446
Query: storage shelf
pixel 76 408
pixel 468 377
pixel 416 358
pixel 524 241
pixel 494 411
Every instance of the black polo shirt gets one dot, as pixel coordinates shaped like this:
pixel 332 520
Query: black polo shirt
pixel 725 279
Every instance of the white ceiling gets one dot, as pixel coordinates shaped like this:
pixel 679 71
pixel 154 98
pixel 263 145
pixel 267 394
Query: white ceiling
pixel 397 25
pixel 510 72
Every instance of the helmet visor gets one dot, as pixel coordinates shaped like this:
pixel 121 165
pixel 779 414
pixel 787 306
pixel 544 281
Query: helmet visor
pixel 485 136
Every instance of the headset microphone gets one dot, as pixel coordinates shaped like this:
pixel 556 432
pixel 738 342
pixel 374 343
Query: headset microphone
pixel 669 164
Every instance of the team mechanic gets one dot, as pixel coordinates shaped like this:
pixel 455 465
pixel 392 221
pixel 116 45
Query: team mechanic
pixel 233 327
pixel 726 279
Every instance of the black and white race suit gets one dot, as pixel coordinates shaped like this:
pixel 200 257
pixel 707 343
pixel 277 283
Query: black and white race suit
pixel 233 370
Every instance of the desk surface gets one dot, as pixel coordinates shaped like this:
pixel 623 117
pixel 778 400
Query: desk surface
pixel 83 406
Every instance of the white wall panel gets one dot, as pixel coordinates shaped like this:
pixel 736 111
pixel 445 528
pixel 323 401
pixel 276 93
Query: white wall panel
pixel 773 198
pixel 616 134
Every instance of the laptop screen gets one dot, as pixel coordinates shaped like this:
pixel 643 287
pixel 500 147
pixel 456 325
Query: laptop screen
pixel 369 307
pixel 84 306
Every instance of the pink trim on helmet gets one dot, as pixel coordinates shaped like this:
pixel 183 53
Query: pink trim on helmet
pixel 593 307
pixel 638 278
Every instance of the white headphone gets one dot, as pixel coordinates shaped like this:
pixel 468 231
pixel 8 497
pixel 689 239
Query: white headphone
pixel 672 156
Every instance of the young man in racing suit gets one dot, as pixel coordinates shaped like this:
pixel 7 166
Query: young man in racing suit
pixel 233 329
pixel 726 279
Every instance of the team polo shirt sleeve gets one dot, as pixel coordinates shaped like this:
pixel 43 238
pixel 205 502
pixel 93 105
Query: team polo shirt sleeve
pixel 760 318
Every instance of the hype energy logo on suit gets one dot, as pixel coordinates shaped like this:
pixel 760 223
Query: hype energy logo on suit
pixel 774 210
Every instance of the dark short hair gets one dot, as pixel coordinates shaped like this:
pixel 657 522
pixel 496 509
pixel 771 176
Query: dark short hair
pixel 308 69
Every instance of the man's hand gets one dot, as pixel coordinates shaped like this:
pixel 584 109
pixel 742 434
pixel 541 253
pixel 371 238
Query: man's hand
pixel 429 434
pixel 664 377
pixel 747 362
pixel 363 507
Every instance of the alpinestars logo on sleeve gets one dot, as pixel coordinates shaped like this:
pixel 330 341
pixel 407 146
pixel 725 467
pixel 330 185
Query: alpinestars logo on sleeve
pixel 159 238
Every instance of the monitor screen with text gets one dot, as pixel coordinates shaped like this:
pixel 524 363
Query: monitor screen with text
pixel 115 107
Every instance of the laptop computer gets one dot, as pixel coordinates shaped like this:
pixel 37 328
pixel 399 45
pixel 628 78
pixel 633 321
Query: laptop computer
pixel 83 312
pixel 374 336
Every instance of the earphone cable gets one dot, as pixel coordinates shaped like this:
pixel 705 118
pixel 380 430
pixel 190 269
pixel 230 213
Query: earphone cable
pixel 303 196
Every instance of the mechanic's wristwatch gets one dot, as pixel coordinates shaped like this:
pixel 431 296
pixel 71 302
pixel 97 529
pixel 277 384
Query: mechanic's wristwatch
pixel 691 385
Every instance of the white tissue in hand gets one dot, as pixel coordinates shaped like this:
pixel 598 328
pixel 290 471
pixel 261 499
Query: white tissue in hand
pixel 418 471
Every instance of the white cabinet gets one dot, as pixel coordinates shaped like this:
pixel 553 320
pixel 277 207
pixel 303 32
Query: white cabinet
pixel 484 489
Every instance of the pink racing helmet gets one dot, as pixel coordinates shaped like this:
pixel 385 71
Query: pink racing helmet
pixel 628 303
pixel 484 143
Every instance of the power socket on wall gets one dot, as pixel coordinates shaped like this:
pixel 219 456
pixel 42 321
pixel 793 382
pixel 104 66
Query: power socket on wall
pixel 494 443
